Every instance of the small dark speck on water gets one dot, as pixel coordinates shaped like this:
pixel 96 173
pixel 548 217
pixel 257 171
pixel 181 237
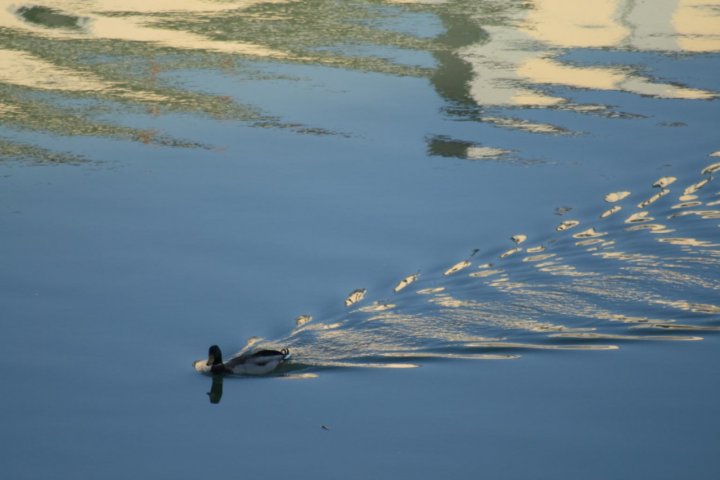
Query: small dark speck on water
pixel 325 427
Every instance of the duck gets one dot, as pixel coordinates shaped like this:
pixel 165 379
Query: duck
pixel 260 362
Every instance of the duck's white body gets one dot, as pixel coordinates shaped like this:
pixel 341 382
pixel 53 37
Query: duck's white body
pixel 252 363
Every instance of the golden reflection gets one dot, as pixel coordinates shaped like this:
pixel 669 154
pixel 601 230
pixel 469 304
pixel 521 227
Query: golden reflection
pixel 589 233
pixel 377 307
pixel 616 196
pixel 539 346
pixel 527 51
pixel 704 214
pixel 303 320
pixel 430 291
pixel 653 199
pixel 589 242
pixel 688 242
pixel 114 20
pixel 691 306
pixel 639 217
pixel 567 225
pixel 651 227
pixel 406 281
pixel 610 211
pixel 608 336
pixel 697 23
pixel 518 239
pixel 525 125
pixel 355 296
pixel 485 273
pixel 590 23
pixel 711 168
pixel 686 204
pixel 23 69
pixel 512 251
pixel 696 186
pixel 538 258
pixel 457 267
pixel 664 182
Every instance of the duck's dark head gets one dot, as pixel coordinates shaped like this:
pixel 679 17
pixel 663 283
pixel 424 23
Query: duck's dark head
pixel 214 356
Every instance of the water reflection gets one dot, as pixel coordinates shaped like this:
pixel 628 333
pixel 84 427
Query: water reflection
pixel 488 54
pixel 527 51
pixel 216 389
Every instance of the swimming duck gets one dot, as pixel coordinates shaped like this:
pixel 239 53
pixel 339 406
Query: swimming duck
pixel 260 362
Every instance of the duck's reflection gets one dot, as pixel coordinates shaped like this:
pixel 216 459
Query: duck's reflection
pixel 216 389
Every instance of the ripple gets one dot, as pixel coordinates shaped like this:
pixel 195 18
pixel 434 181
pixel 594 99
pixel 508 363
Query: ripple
pixel 355 296
pixel 457 267
pixel 567 225
pixel 406 281
pixel 616 196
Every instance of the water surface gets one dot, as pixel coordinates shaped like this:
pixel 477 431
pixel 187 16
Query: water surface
pixel 524 192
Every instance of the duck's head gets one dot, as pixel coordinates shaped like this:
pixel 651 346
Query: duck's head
pixel 214 356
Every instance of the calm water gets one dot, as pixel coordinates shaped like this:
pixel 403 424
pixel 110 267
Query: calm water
pixel 523 195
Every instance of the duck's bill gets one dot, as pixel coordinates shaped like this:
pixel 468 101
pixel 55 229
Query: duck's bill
pixel 201 366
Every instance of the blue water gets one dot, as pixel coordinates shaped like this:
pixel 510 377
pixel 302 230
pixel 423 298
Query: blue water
pixel 294 182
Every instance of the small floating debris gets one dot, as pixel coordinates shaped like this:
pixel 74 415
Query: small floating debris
pixel 325 427
pixel 567 225
pixel 711 168
pixel 355 296
pixel 664 182
pixel 562 210
pixel 653 199
pixel 302 320
pixel 518 239
pixel 616 196
pixel 457 267
pixel 405 282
